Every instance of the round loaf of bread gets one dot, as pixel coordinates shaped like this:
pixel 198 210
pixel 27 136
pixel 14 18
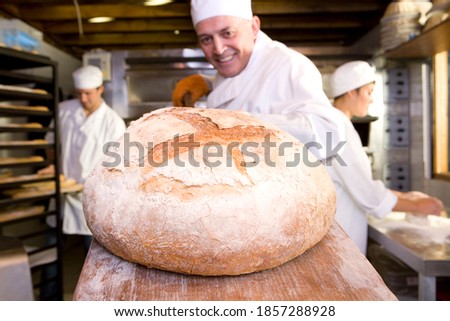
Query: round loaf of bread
pixel 208 192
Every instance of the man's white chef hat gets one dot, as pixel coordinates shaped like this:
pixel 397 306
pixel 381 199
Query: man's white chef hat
pixel 87 77
pixel 351 75
pixel 204 9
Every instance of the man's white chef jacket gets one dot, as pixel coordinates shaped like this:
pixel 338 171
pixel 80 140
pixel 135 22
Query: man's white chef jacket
pixel 82 140
pixel 357 193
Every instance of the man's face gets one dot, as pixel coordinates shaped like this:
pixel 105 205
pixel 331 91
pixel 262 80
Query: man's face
pixel 228 42
pixel 90 99
pixel 363 99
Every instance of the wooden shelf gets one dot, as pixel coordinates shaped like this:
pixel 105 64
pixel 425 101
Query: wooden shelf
pixel 16 59
pixel 23 200
pixel 6 129
pixel 29 111
pixel 20 213
pixel 19 95
pixel 12 78
pixel 427 44
pixel 15 181
pixel 18 87
pixel 25 164
pixel 23 146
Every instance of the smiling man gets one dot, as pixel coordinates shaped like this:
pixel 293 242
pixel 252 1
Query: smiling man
pixel 258 75
pixel 228 41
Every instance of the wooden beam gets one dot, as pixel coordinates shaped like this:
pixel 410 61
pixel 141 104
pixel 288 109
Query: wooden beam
pixel 58 12
pixel 170 24
pixel 129 38
pixel 314 6
pixel 67 12
pixel 312 22
pixel 134 25
pixel 296 23
pixel 59 2
pixel 9 11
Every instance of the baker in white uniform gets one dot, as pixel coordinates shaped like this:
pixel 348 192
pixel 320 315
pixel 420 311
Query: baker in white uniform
pixel 258 75
pixel 86 124
pixel 358 194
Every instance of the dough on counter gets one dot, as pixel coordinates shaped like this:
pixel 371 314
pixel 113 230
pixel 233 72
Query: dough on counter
pixel 196 192
pixel 417 219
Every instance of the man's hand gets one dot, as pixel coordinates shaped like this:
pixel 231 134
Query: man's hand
pixel 189 90
pixel 425 203
pixel 419 203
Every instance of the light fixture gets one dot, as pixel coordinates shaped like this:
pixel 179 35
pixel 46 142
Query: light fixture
pixel 177 32
pixel 156 2
pixel 100 19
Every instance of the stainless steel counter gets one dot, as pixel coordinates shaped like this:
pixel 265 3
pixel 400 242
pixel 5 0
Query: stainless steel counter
pixel 424 245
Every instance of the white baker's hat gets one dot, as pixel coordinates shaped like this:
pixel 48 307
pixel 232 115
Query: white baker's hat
pixel 87 77
pixel 351 75
pixel 204 9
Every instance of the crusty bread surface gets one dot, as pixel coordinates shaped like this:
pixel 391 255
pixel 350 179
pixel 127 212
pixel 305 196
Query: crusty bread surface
pixel 200 191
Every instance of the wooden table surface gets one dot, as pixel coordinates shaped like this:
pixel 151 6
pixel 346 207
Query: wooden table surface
pixel 334 269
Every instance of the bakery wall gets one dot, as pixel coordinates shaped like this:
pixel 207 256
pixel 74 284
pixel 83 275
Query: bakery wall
pixel 66 65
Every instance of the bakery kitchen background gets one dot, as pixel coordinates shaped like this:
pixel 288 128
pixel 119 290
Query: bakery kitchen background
pixel 143 51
